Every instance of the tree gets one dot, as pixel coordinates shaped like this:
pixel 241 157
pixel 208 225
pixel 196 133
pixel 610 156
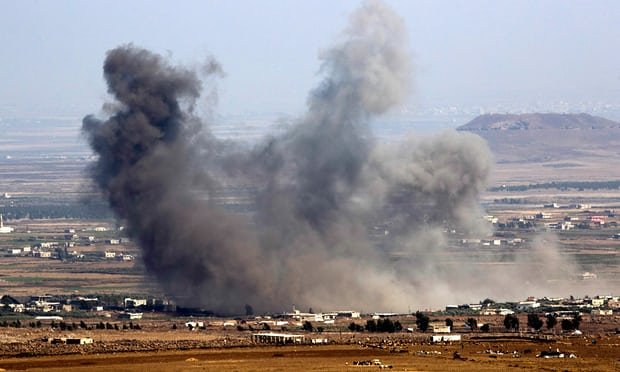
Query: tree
pixel 576 321
pixel 551 321
pixel 354 327
pixel 567 325
pixel 511 322
pixel 486 327
pixel 397 326
pixel 307 326
pixel 449 323
pixel 472 323
pixel 371 325
pixel 422 321
pixel 533 321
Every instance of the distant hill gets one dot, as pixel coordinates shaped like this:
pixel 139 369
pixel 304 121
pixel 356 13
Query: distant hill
pixel 538 121
pixel 548 137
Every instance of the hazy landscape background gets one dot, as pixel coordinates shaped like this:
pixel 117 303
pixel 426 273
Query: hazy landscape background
pixel 470 56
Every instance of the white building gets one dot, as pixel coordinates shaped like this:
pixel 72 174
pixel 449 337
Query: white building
pixel 440 328
pixel 128 315
pixel 134 302
pixel 445 338
pixel 109 254
pixel 4 229
pixel 277 338
pixel 505 312
pixel 526 305
pixel 588 276
pixel 602 312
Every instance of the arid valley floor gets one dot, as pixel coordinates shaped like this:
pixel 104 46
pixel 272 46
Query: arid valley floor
pixel 48 200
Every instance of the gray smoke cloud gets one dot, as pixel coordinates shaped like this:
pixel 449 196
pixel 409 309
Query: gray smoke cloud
pixel 339 221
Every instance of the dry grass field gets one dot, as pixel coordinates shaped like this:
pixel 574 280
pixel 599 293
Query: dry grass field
pixel 474 356
pixel 159 347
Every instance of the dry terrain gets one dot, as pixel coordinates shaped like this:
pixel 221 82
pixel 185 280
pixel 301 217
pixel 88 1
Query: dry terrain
pixel 198 351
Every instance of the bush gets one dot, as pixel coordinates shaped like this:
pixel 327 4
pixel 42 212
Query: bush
pixel 472 323
pixel 422 321
pixel 449 323
pixel 371 325
pixel 551 321
pixel 511 322
pixel 567 325
pixel 307 326
pixel 534 321
pixel 354 327
pixel 485 328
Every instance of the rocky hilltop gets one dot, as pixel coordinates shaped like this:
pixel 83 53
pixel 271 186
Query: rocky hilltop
pixel 548 137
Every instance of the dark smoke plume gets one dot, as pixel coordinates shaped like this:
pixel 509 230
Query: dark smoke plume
pixel 332 208
pixel 147 169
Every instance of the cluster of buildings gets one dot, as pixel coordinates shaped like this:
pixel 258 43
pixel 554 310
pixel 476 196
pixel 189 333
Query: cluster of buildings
pixel 62 304
pixel 585 218
pixel 60 250
pixel 48 303
pixel 297 318
pixel 599 305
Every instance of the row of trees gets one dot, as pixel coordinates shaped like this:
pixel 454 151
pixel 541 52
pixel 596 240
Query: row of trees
pixel 63 326
pixel 380 325
pixel 534 321
pixel 511 322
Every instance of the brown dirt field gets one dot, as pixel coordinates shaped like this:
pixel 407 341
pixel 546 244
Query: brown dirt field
pixel 159 348
pixel 604 356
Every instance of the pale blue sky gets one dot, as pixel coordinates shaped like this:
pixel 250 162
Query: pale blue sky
pixel 465 52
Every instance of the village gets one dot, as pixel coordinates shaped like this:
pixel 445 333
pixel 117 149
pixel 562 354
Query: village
pixel 63 311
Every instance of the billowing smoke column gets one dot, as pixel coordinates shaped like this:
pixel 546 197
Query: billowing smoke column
pixel 333 209
pixel 146 169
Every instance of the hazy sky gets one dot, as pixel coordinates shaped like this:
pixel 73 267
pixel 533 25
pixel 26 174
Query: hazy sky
pixel 465 52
